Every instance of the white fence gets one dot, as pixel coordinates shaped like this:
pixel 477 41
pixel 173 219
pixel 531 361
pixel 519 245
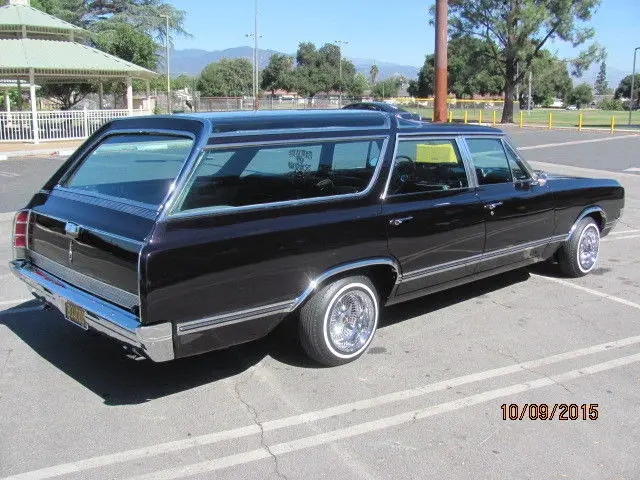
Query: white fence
pixel 56 125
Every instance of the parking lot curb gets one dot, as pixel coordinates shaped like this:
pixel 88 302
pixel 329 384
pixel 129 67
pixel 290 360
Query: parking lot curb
pixel 36 153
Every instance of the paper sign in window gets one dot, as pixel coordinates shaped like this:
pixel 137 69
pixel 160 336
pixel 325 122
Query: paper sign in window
pixel 439 153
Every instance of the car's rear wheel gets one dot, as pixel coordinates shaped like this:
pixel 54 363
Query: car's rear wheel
pixel 580 253
pixel 339 321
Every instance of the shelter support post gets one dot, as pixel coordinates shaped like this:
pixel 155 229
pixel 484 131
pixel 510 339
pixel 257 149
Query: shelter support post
pixel 7 102
pixel 149 109
pixel 129 95
pixel 34 106
pixel 100 96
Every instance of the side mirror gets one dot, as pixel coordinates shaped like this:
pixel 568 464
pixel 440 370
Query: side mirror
pixel 540 179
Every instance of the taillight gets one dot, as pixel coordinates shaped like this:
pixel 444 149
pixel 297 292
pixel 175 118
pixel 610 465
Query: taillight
pixel 20 225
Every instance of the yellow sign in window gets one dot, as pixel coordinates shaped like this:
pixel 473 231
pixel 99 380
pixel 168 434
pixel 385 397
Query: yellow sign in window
pixel 436 153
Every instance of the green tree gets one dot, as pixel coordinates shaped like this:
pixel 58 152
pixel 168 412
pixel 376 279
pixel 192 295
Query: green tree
pixel 278 74
pixel 373 74
pixel 601 86
pixel 424 86
pixel 389 87
pixel 126 42
pixel 624 88
pixel 144 15
pixel 357 86
pixel 581 95
pixel 318 70
pixel 66 95
pixel 473 70
pixel 550 79
pixel 226 78
pixel 520 29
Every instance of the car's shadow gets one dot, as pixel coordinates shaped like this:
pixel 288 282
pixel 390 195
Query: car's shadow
pixel 100 365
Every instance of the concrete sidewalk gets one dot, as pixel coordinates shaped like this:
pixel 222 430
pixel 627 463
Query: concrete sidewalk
pixel 11 150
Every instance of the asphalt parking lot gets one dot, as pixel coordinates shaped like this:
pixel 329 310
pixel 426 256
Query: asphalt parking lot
pixel 424 402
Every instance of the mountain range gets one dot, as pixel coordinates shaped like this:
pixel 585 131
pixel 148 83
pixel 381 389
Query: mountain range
pixel 191 62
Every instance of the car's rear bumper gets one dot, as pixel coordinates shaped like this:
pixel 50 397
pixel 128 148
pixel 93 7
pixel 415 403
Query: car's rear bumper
pixel 153 341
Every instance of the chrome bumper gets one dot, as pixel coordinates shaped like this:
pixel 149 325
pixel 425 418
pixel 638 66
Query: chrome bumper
pixel 153 341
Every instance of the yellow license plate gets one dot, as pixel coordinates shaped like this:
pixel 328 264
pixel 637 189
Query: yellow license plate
pixel 75 314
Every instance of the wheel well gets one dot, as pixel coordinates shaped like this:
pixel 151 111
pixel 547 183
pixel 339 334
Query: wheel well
pixel 382 276
pixel 599 219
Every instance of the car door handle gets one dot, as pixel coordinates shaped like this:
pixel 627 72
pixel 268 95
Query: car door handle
pixel 399 221
pixel 493 205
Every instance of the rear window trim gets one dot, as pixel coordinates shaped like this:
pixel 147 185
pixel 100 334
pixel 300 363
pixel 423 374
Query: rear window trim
pixel 119 132
pixel 173 212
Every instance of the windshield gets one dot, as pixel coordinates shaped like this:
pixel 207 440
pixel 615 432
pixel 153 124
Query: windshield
pixel 139 168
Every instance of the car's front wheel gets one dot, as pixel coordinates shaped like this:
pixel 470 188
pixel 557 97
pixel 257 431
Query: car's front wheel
pixel 579 254
pixel 339 321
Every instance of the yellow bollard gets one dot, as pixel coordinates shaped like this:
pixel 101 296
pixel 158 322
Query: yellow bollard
pixel 613 123
pixel 465 116
pixel 579 121
pixel 550 120
pixel 480 117
pixel 494 117
pixel 450 116
pixel 521 122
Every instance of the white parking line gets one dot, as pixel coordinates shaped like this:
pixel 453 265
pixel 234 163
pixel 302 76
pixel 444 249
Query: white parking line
pixel 380 424
pixel 576 142
pixel 613 298
pixel 270 425
pixel 632 169
pixel 620 238
pixel 9 174
pixel 623 232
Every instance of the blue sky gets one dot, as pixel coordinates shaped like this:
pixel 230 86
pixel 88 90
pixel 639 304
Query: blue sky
pixel 393 31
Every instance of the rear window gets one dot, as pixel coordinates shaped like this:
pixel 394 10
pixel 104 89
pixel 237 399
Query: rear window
pixel 139 168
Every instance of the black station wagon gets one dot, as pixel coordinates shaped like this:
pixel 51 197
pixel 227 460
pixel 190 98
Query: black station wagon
pixel 184 234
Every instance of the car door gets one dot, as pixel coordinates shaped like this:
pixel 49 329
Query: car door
pixel 435 221
pixel 518 210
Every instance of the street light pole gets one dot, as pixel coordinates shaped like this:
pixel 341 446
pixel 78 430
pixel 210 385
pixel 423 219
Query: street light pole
pixel 633 77
pixel 169 109
pixel 256 87
pixel 339 44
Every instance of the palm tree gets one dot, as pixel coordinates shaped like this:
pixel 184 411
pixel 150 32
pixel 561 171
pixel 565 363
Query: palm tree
pixel 374 74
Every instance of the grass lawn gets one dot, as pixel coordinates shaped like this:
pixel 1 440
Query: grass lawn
pixel 540 116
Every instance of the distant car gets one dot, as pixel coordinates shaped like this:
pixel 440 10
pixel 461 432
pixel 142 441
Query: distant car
pixel 572 107
pixel 383 107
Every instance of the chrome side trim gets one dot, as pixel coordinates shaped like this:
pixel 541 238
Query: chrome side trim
pixel 450 133
pixel 341 269
pixel 259 143
pixel 465 262
pixel 230 318
pixel 217 211
pixel 201 324
pixel 94 230
pixel 84 282
pixel 154 341
pixel 100 200
pixel 586 212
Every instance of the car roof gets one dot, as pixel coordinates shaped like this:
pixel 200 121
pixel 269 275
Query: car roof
pixel 254 122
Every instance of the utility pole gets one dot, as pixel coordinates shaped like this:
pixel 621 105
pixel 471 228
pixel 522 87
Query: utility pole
pixel 255 74
pixel 633 78
pixel 169 109
pixel 339 44
pixel 440 103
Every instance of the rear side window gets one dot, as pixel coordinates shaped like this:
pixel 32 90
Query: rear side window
pixel 139 168
pixel 427 166
pixel 256 175
pixel 489 160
